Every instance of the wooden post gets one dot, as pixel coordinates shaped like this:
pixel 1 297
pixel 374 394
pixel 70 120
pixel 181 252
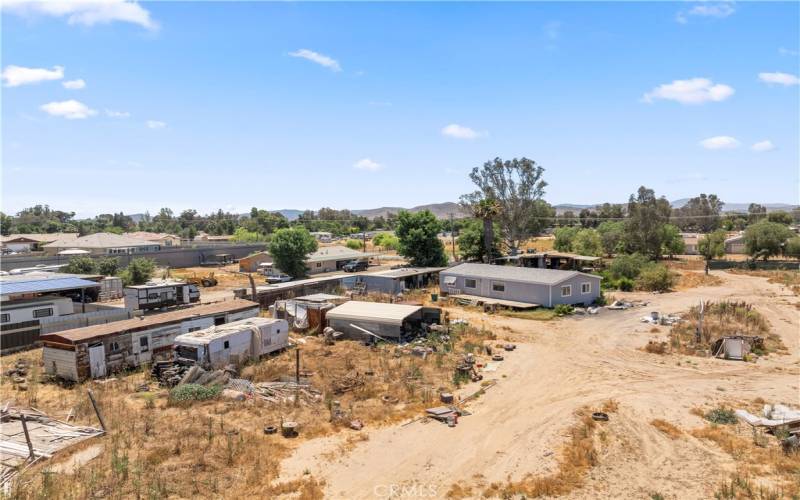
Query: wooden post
pixel 97 410
pixel 297 365
pixel 27 436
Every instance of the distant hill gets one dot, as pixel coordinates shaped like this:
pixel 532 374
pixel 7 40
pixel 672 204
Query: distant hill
pixel 290 213
pixel 440 210
pixel 740 207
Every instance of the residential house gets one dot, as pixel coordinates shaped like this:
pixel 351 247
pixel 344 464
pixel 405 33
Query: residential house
pixel 251 263
pixel 163 239
pixel 690 241
pixel 523 285
pixel 103 244
pixel 31 242
pixel 96 351
pixel 735 244
pixel 394 281
pixel 333 258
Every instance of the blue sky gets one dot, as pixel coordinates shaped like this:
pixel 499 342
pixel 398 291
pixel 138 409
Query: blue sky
pixel 304 105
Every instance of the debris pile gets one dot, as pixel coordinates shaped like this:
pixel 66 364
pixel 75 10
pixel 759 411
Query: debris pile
pixel 656 318
pixel 19 373
pixel 346 383
pixel 179 372
pixel 286 392
pixel 28 436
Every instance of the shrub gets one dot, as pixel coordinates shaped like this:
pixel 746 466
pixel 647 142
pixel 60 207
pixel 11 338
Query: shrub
pixel 564 310
pixel 138 271
pixel 721 416
pixel 108 266
pixel 625 284
pixel 354 244
pixel 655 277
pixel 654 347
pixel 193 392
pixel 81 265
pixel 627 266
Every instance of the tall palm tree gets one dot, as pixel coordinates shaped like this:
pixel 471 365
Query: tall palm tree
pixel 487 210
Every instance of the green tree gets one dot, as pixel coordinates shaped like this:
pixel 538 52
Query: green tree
pixel 516 186
pixel 419 241
pixel 587 242
pixel 700 214
pixel 781 217
pixel 712 246
pixel 108 266
pixel 792 248
pixel 138 271
pixel 82 264
pixel 386 241
pixel 290 248
pixel 242 235
pixel 565 238
pixel 765 239
pixel 487 210
pixel 646 218
pixel 756 212
pixel 627 266
pixel 471 242
pixel 612 234
pixel 672 241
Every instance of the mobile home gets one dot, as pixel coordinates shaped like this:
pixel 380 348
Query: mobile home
pixel 155 295
pixel 96 351
pixel 388 321
pixel 524 285
pixel 233 343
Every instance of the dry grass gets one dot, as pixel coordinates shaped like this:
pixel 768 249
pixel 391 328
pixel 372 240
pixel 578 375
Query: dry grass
pixel 576 458
pixel 218 448
pixel 722 319
pixel 690 279
pixel 667 428
pixel 764 470
pixel 656 347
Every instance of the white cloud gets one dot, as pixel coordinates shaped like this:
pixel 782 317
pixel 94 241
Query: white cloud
pixel 117 114
pixel 367 164
pixel 318 58
pixel 779 79
pixel 74 84
pixel 787 52
pixel 763 146
pixel 14 76
pixel 71 110
pixel 706 9
pixel 85 12
pixel 155 124
pixel 691 91
pixel 461 132
pixel 720 142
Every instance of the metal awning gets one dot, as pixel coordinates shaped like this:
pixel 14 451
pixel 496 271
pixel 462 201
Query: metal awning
pixel 44 285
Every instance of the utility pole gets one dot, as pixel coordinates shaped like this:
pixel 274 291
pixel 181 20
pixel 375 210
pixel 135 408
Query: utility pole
pixel 452 237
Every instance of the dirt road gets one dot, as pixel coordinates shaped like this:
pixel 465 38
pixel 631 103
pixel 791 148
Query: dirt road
pixel 518 426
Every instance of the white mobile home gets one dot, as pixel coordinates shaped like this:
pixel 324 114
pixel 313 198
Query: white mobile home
pixel 95 351
pixel 155 295
pixel 233 343
pixel 543 287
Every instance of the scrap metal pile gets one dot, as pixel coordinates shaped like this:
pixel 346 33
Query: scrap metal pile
pixel 181 371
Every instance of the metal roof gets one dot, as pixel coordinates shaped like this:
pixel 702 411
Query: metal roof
pixel 205 336
pixel 337 252
pixel 377 312
pixel 513 273
pixel 405 272
pixel 77 335
pixel 41 285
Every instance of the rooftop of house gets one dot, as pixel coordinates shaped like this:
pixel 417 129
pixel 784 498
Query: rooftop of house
pixel 145 235
pixel 513 273
pixel 100 240
pixel 38 237
pixel 337 252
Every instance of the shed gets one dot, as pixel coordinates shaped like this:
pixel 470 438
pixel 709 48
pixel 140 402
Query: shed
pixel 393 321
pixel 98 350
pixel 544 287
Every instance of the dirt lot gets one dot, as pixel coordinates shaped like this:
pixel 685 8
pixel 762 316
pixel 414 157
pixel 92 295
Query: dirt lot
pixel 520 430
pixel 518 426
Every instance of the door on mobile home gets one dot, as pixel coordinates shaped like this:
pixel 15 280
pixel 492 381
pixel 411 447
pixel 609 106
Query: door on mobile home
pixel 97 360
pixel 141 346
